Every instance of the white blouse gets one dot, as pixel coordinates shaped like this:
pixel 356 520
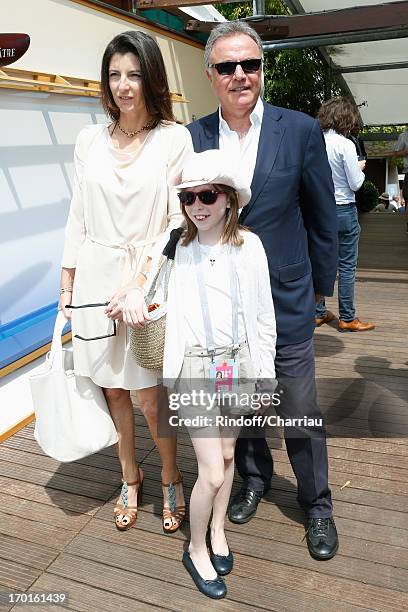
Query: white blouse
pixel 121 204
pixel 216 262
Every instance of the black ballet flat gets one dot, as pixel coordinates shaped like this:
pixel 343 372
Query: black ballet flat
pixel 215 589
pixel 223 564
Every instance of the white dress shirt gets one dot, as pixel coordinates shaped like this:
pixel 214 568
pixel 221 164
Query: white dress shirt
pixel 346 172
pixel 246 149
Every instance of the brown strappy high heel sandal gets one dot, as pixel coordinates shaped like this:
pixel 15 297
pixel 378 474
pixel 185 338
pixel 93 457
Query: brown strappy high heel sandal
pixel 126 516
pixel 174 514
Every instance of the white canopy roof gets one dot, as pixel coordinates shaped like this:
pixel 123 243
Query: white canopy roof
pixel 203 13
pixel 383 93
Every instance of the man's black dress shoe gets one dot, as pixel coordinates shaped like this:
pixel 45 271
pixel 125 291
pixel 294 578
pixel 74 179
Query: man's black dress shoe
pixel 222 563
pixel 243 506
pixel 321 537
pixel 216 588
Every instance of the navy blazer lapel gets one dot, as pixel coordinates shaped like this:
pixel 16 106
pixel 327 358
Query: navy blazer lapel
pixel 210 135
pixel 270 139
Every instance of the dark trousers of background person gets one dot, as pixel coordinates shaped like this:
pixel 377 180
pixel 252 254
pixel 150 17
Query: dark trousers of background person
pixel 308 453
pixel 405 194
pixel 405 189
pixel 349 234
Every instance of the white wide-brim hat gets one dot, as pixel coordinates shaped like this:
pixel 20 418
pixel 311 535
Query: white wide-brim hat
pixel 214 167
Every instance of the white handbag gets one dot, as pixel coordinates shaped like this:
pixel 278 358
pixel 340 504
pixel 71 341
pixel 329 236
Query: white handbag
pixel 72 416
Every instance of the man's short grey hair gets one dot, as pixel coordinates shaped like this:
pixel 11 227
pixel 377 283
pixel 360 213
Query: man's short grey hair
pixel 229 28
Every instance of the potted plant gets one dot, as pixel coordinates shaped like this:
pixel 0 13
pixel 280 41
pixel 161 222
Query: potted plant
pixel 367 197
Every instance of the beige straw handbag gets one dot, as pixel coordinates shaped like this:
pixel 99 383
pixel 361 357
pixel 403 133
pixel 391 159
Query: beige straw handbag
pixel 147 342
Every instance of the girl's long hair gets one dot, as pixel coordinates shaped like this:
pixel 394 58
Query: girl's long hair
pixel 231 233
pixel 155 86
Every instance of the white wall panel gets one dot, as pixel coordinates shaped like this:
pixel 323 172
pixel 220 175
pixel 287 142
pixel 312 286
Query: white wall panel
pixel 69 39
pixel 35 191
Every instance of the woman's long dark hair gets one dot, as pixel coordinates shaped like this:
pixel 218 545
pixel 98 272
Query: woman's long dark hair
pixel 339 114
pixel 154 78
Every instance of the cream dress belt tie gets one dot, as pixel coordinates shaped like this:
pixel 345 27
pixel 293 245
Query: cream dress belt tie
pixel 128 254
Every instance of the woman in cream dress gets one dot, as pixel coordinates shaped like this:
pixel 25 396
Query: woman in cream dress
pixel 121 204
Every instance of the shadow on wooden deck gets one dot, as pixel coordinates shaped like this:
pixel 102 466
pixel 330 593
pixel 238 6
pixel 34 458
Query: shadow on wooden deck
pixel 56 528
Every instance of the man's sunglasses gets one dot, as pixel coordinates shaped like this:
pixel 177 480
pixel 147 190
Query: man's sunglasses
pixel 206 197
pixel 249 66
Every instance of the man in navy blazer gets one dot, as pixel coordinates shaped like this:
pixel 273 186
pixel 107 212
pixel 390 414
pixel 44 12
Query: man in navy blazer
pixel 292 210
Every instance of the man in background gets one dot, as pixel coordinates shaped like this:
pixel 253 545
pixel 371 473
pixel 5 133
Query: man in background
pixel 401 150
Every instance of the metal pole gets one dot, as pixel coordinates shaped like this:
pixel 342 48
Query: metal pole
pixel 258 7
pixel 305 42
pixel 370 68
pixel 328 81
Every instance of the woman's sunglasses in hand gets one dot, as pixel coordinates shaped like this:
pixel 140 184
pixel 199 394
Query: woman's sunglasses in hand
pixel 97 305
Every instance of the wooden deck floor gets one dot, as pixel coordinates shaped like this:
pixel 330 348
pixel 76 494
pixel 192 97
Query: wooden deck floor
pixel 56 529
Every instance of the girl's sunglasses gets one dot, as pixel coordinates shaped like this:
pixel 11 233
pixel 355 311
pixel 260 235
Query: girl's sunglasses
pixel 206 197
pixel 249 66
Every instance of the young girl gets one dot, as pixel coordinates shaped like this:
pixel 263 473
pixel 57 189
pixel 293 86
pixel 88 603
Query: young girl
pixel 220 324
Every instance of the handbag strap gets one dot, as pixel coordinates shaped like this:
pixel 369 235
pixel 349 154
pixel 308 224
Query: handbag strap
pixel 170 248
pixel 56 344
pixel 168 254
pixel 169 266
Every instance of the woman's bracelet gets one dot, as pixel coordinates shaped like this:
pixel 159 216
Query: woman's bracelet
pixel 66 290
